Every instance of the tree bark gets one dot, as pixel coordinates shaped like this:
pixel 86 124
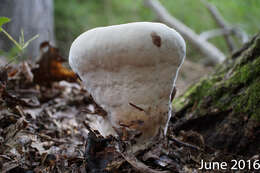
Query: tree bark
pixel 225 107
pixel 33 17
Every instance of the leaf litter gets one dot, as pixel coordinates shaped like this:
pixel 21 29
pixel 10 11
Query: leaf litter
pixel 44 128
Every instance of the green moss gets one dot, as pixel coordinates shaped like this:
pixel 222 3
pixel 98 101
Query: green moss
pixel 235 86
pixel 256 116
pixel 254 96
pixel 179 102
pixel 246 73
pixel 249 100
pixel 223 103
pixel 196 93
pixel 202 89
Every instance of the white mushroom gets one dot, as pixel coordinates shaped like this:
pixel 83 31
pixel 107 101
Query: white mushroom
pixel 130 70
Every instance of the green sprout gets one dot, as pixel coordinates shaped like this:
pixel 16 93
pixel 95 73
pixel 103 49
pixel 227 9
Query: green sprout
pixel 21 45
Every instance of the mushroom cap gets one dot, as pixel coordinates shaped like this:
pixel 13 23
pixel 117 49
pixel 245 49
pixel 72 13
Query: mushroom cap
pixel 127 67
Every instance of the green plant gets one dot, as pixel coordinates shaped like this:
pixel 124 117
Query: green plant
pixel 21 45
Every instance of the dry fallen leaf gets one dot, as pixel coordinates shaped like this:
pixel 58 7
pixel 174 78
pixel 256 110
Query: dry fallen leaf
pixel 50 66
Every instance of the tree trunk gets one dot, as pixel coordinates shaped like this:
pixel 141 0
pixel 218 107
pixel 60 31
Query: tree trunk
pixel 33 17
pixel 225 107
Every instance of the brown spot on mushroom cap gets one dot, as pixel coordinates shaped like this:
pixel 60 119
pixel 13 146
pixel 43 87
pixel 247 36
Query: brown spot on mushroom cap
pixel 156 39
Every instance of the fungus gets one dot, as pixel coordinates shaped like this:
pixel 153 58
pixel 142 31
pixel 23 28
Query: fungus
pixel 130 70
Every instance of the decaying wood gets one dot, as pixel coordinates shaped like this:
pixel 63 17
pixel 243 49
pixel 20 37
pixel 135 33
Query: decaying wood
pixel 206 48
pixel 224 107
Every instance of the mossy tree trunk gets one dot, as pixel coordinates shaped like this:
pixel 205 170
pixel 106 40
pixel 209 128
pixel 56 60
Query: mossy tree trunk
pixel 225 107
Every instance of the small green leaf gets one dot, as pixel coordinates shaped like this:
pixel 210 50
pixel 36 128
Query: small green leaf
pixel 4 20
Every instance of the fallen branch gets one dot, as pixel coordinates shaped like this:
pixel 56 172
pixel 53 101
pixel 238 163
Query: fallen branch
pixel 241 34
pixel 206 35
pixel 221 23
pixel 206 48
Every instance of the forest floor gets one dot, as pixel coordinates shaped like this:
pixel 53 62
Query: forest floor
pixel 43 127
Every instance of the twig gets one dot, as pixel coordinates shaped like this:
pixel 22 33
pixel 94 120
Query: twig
pixel 184 144
pixel 221 23
pixel 27 71
pixel 241 34
pixel 215 32
pixel 21 112
pixel 206 48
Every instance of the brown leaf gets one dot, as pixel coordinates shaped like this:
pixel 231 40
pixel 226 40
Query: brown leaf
pixel 50 67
